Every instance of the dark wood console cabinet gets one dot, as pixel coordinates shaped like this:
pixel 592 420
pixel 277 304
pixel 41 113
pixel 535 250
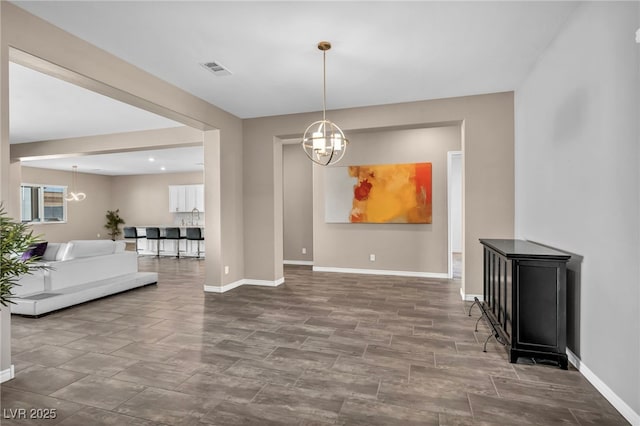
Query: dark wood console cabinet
pixel 525 298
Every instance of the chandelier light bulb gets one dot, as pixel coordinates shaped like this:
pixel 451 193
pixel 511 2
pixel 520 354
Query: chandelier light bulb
pixel 337 142
pixel 318 141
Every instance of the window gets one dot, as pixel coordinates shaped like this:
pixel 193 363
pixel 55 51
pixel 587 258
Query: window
pixel 43 203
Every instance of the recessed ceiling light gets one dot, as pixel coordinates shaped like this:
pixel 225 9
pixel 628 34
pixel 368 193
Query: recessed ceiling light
pixel 163 168
pixel 151 159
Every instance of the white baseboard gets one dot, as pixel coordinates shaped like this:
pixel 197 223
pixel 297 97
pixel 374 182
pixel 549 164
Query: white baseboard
pixel 223 288
pixel 7 374
pixel 245 281
pixel 264 283
pixel 381 272
pixel 298 262
pixel 470 297
pixel 617 402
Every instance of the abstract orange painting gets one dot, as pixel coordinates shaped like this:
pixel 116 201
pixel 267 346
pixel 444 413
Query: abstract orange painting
pixel 387 193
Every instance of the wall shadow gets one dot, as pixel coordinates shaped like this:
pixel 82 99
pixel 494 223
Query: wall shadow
pixel 574 295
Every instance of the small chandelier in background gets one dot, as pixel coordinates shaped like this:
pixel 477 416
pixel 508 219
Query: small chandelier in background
pixel 74 195
pixel 323 141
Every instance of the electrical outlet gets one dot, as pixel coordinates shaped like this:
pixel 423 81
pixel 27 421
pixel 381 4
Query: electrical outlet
pixel 304 250
pixel 98 235
pixel 226 270
pixel 372 257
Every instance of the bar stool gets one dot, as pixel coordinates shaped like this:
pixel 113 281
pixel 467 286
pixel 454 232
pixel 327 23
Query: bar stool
pixel 195 234
pixel 154 234
pixel 174 234
pixel 131 232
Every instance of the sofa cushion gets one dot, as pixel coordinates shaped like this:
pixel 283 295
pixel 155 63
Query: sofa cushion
pixel 77 249
pixel 62 250
pixel 52 251
pixel 35 250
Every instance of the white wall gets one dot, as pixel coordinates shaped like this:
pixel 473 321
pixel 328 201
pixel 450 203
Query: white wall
pixel 577 184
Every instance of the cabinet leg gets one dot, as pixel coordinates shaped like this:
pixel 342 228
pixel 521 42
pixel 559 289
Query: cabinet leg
pixel 477 322
pixel 564 362
pixel 484 348
pixel 475 302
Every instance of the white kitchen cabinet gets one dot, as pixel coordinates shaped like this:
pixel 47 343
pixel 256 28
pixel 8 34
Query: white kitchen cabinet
pixel 176 198
pixel 200 197
pixel 194 197
pixel 184 198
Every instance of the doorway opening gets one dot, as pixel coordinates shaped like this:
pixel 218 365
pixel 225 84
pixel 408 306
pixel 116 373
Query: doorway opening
pixel 454 197
pixel 297 209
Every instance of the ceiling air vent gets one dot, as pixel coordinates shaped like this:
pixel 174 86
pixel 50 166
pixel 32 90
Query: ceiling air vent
pixel 216 68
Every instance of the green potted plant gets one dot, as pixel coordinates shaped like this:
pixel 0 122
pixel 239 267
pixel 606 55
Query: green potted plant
pixel 113 223
pixel 15 239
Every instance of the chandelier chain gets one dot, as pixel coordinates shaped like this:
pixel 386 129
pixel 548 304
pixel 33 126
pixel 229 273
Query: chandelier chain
pixel 324 85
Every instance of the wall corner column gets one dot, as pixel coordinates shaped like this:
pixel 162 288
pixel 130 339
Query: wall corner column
pixel 213 223
pixel 6 369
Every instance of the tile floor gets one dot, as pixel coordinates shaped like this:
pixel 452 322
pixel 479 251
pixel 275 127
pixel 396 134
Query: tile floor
pixel 321 349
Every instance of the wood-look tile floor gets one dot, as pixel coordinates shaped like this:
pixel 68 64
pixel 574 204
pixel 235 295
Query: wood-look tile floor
pixel 322 349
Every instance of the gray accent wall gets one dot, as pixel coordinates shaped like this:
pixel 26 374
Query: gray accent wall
pixel 578 185
pixel 486 125
pixel 398 247
pixel 297 198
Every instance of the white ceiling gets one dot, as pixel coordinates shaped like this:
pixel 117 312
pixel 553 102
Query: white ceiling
pixel 383 52
pixel 174 160
pixel 46 108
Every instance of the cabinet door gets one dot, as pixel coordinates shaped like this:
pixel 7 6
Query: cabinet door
pixel 200 197
pixel 173 198
pixel 184 198
pixel 190 197
pixel 177 199
pixel 538 305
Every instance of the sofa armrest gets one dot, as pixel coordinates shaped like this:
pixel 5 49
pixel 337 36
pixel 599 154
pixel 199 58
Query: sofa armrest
pixel 30 283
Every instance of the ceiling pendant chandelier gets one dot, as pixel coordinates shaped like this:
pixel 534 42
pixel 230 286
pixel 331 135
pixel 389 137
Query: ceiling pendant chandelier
pixel 74 195
pixel 323 141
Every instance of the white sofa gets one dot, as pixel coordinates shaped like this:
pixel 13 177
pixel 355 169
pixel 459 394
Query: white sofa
pixel 78 271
